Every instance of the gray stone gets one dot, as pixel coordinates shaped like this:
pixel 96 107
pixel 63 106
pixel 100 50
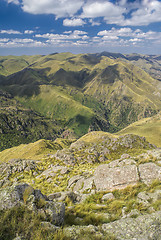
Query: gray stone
pixel 51 172
pixel 73 180
pixel 144 197
pixel 24 194
pixel 78 185
pixel 106 178
pixel 120 162
pixel 19 238
pixel 133 213
pixel 53 196
pixel 156 195
pixel 149 172
pixel 144 227
pixel 108 196
pixel 61 196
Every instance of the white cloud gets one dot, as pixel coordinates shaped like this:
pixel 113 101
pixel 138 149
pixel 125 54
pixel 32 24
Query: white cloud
pixel 121 13
pixel 13 1
pixel 18 42
pixel 4 39
pixel 10 32
pixel 148 11
pixel 112 13
pixel 60 8
pixel 127 36
pixel 28 31
pixel 81 43
pixel 77 34
pixel 141 12
pixel 24 40
pixel 135 40
pixel 101 9
pixel 110 38
pixel 94 23
pixel 73 22
pixel 123 32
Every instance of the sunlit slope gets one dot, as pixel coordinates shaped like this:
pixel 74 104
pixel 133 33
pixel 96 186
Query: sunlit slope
pixel 19 124
pixel 150 128
pixel 52 102
pixel 12 64
pixel 36 150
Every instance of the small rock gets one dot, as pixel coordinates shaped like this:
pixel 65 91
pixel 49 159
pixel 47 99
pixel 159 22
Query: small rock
pixel 48 226
pixel 108 196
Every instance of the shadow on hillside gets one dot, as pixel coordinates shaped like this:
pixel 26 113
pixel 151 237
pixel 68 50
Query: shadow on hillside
pixel 110 74
pixel 26 82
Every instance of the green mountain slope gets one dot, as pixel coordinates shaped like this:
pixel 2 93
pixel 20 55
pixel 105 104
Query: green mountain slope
pixel 12 64
pixel 147 127
pixel 149 63
pixel 21 125
pixel 85 92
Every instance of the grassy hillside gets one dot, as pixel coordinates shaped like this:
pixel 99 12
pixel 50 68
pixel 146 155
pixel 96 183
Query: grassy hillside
pixel 12 64
pixel 147 127
pixel 22 125
pixel 84 92
pixel 37 150
pixel 149 63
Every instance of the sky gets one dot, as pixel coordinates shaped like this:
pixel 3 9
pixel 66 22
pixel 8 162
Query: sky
pixel 80 26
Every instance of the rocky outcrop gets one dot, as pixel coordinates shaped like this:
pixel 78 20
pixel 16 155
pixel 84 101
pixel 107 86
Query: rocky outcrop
pixel 147 227
pixel 16 166
pixel 53 170
pixel 34 200
pixel 118 174
pixel 93 152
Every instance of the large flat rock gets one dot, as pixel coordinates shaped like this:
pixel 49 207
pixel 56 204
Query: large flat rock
pixel 107 178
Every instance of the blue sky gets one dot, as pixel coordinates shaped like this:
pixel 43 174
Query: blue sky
pixel 47 26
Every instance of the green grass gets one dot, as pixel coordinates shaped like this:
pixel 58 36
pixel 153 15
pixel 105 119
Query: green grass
pixel 92 210
pixel 54 103
pixel 12 64
pixel 150 128
pixel 36 150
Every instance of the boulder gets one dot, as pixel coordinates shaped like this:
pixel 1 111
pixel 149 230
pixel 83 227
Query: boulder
pixel 148 172
pixel 84 184
pixel 144 227
pixel 73 180
pixel 34 200
pixel 61 196
pixel 110 178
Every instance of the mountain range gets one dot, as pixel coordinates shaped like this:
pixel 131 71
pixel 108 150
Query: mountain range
pixel 68 95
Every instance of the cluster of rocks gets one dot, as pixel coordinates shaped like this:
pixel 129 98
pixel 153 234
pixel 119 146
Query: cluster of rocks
pixel 15 166
pixel 118 174
pixel 145 227
pixel 34 200
pixel 81 152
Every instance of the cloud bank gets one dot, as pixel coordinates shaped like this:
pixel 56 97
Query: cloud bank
pixel 121 13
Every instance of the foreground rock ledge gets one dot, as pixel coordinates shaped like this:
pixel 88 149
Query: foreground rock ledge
pixel 145 227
